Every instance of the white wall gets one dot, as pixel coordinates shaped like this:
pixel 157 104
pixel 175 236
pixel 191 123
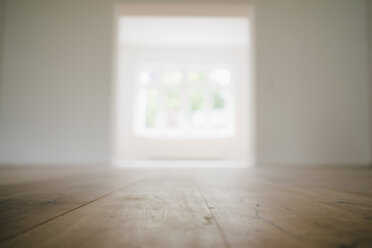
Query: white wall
pixel 312 82
pixel 2 24
pixel 369 33
pixel 56 78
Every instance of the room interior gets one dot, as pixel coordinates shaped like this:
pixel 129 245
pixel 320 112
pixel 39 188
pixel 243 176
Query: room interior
pixel 214 123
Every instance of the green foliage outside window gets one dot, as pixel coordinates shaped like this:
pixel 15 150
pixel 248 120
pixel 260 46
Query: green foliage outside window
pixel 173 83
pixel 151 107
pixel 218 101
pixel 172 78
pixel 196 77
pixel 173 100
pixel 197 100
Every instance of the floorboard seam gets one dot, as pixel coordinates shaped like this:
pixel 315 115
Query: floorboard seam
pixel 215 221
pixel 10 237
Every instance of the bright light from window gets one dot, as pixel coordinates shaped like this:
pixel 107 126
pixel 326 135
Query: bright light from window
pixel 184 102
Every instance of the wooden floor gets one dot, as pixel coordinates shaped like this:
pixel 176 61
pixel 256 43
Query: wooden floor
pixel 261 207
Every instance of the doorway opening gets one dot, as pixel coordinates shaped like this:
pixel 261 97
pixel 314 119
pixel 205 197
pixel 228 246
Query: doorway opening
pixel 183 85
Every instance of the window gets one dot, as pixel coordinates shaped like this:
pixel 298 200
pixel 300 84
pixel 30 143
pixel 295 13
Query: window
pixel 183 83
pixel 184 101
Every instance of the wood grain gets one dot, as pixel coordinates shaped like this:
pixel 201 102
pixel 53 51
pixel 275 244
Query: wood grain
pixel 257 207
pixel 26 205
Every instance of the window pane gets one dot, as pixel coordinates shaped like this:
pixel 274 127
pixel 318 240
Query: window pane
pixel 147 77
pixel 196 101
pixel 195 77
pixel 218 112
pixel 152 105
pixel 197 114
pixel 172 109
pixel 218 101
pixel 172 78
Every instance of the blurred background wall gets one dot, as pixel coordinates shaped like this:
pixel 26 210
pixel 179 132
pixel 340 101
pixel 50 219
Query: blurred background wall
pixel 312 80
pixel 369 44
pixel 2 21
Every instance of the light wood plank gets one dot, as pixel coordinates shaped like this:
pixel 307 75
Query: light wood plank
pixel 256 212
pixel 26 205
pixel 158 212
pixel 259 207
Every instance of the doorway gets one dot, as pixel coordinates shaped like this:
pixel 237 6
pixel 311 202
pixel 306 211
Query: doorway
pixel 183 85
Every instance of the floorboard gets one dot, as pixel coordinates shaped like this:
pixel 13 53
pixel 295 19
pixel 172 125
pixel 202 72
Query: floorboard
pixel 255 207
